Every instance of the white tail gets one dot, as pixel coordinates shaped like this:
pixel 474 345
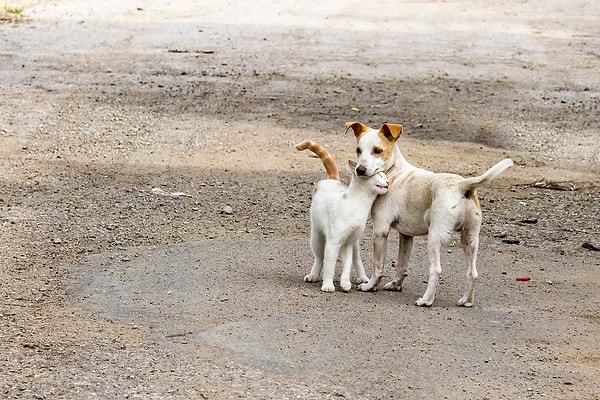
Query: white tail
pixel 487 176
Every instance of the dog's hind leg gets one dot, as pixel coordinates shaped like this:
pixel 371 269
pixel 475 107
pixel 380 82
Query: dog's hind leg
pixel 317 245
pixel 405 245
pixel 469 239
pixel 434 244
pixel 359 269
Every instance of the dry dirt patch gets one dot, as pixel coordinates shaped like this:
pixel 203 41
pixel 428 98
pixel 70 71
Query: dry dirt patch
pixel 112 287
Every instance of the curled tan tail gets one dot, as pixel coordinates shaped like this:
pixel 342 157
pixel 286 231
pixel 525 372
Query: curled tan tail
pixel 326 159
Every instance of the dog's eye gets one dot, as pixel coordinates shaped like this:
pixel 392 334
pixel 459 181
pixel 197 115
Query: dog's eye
pixel 377 150
pixel 358 151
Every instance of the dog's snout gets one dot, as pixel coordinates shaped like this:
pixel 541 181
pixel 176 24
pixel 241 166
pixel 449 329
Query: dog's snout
pixel 361 170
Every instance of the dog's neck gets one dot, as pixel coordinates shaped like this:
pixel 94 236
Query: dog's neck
pixel 360 189
pixel 397 165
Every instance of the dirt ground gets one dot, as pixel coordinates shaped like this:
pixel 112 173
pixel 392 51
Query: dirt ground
pixel 154 212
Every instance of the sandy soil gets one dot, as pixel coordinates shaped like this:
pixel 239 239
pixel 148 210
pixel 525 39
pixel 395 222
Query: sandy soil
pixel 127 128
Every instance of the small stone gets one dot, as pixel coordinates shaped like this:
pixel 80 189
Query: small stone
pixel 589 246
pixel 227 209
pixel 529 221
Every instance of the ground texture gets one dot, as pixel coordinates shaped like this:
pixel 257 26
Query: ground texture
pixel 154 212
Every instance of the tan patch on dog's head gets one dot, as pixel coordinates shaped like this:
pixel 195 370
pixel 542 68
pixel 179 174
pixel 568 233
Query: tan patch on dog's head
pixel 358 128
pixel 389 133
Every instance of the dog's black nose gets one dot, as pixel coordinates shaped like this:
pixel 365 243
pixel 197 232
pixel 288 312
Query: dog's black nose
pixel 360 170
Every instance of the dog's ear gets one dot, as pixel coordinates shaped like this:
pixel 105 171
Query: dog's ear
pixel 357 127
pixel 391 131
pixel 352 165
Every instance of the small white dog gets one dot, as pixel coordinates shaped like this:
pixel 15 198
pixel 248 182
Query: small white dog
pixel 419 202
pixel 338 215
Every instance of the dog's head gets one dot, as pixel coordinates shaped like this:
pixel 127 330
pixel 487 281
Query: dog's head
pixel 374 149
pixel 377 183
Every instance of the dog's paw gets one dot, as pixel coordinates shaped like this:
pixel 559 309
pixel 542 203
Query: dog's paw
pixel 464 302
pixel 364 287
pixel 311 278
pixel 394 286
pixel 345 286
pixel 423 303
pixel 358 280
pixel 328 288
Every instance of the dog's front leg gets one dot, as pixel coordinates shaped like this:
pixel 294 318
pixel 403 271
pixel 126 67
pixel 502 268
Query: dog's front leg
pixel 359 269
pixel 434 245
pixel 379 248
pixel 346 260
pixel 405 245
pixel 329 260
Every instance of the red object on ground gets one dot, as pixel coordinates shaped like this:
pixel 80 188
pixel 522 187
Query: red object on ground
pixel 523 278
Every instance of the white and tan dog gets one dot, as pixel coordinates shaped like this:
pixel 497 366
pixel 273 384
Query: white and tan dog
pixel 419 202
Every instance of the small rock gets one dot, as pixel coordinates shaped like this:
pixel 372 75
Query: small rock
pixel 589 246
pixel 529 221
pixel 227 209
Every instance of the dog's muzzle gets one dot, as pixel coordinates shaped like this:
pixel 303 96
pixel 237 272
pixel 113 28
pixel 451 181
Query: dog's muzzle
pixel 361 170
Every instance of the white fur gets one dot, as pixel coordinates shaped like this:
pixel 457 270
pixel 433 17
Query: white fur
pixel 338 215
pixel 420 202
